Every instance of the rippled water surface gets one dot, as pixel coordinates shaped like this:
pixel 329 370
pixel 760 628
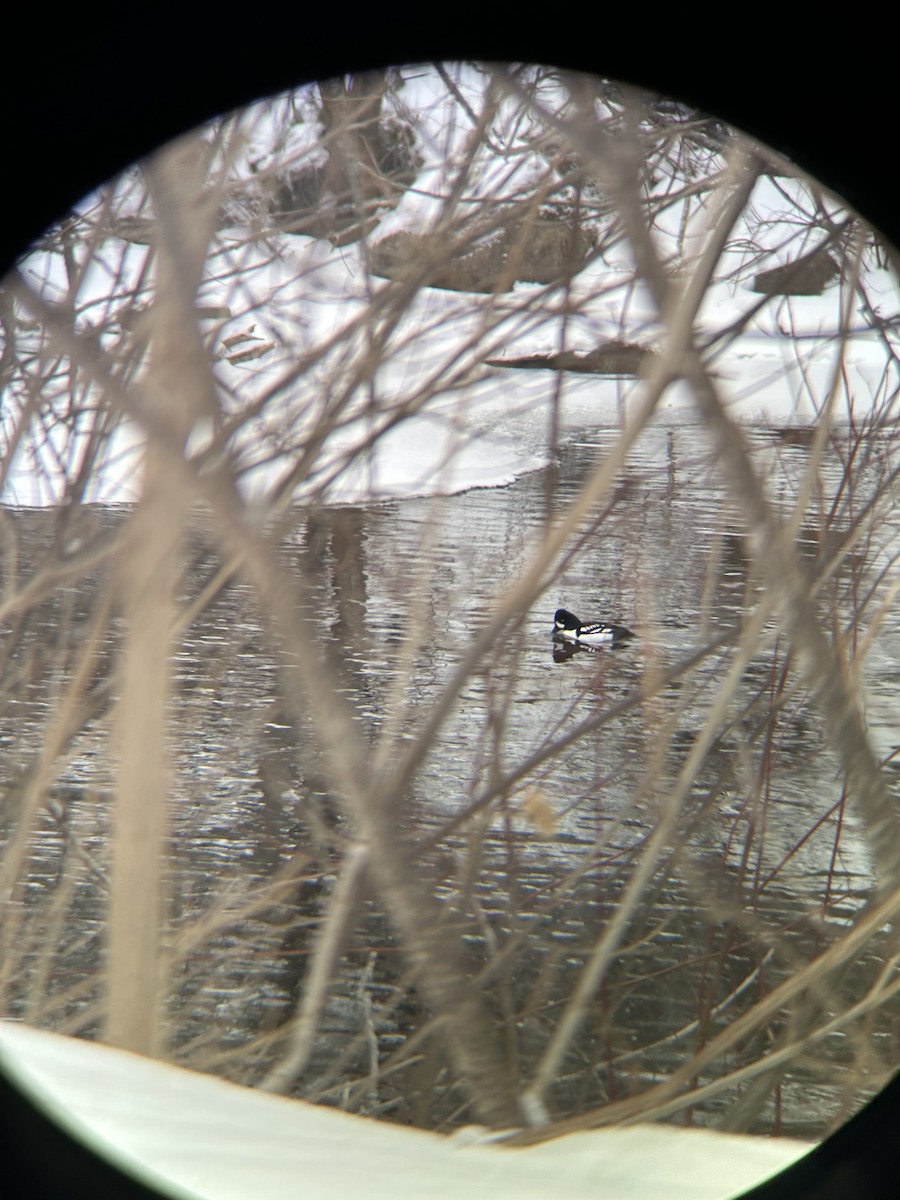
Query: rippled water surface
pixel 768 864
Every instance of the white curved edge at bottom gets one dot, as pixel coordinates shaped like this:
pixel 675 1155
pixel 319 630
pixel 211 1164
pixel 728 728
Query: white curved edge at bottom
pixel 193 1136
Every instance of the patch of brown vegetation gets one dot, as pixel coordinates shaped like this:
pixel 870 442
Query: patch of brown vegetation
pixel 806 276
pixel 612 358
pixel 542 251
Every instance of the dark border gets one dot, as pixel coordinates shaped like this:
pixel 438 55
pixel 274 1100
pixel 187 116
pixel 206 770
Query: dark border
pixel 86 90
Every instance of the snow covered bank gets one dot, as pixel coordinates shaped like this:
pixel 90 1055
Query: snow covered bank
pixel 311 346
pixel 191 1135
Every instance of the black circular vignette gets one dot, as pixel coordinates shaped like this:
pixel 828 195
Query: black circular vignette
pixel 87 90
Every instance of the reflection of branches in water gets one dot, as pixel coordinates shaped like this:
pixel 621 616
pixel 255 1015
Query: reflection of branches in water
pixel 473 962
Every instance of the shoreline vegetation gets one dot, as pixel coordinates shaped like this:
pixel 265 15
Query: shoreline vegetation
pixel 337 298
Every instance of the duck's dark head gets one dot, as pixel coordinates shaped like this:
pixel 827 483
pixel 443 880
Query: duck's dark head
pixel 565 620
